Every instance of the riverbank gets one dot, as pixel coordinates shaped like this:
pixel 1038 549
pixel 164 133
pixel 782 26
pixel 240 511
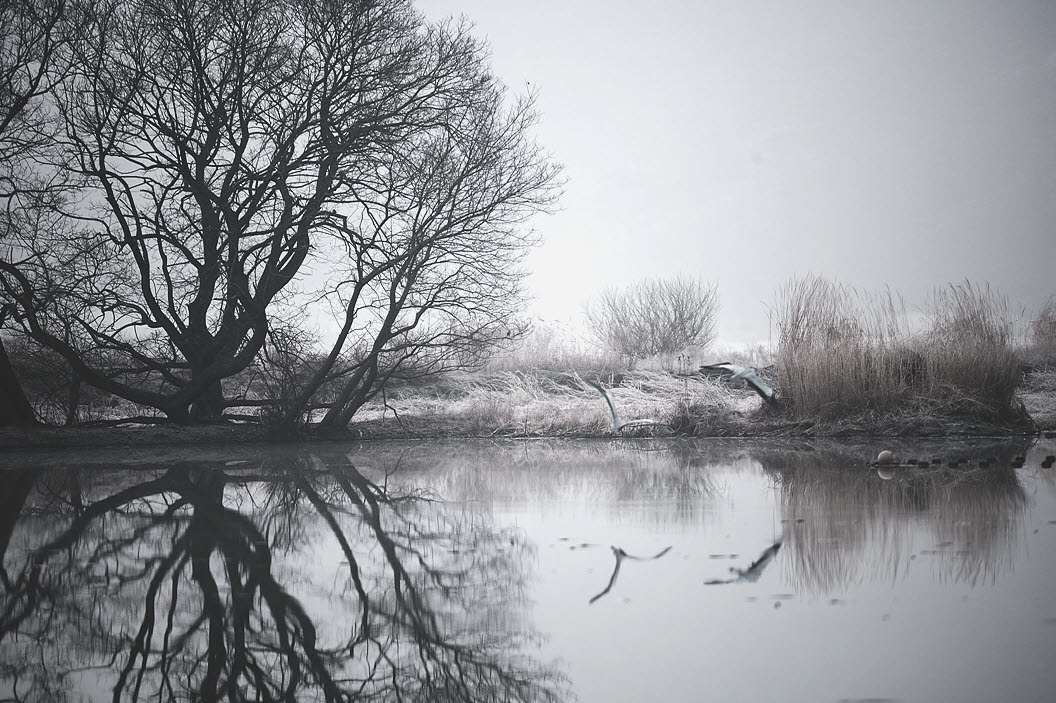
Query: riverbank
pixel 559 404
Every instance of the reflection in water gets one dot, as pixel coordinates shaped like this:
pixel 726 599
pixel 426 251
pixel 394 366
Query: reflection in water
pixel 408 571
pixel 292 579
pixel 846 524
pixel 641 481
pixel 843 524
pixel 754 570
pixel 620 556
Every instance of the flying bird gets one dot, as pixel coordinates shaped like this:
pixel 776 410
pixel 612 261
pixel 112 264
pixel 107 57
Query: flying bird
pixel 617 423
pixel 620 556
pixel 749 375
pixel 754 570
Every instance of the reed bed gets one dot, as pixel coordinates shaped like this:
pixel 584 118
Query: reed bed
pixel 843 352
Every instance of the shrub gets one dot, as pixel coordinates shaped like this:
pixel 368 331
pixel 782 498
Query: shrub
pixel 658 316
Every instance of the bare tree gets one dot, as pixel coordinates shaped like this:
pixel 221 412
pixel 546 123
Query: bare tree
pixel 430 278
pixel 31 36
pixel 223 151
pixel 658 316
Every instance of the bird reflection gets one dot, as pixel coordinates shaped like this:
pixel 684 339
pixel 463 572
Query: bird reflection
pixel 620 556
pixel 754 570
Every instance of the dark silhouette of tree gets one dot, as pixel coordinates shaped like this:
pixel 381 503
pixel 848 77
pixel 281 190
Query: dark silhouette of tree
pixel 30 38
pixel 182 586
pixel 218 155
pixel 14 406
pixel 429 280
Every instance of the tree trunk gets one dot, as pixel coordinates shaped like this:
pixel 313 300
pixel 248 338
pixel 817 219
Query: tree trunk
pixel 15 487
pixel 209 406
pixel 14 406
pixel 73 401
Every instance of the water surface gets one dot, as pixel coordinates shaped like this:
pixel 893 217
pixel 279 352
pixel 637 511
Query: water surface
pixel 530 571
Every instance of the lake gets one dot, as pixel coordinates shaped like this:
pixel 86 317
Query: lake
pixel 539 570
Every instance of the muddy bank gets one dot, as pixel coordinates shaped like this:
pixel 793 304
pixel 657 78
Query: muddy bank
pixel 183 439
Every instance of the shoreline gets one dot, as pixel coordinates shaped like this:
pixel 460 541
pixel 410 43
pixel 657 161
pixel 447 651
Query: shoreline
pixel 545 405
pixel 438 428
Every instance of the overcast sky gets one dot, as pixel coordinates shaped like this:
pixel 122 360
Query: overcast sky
pixel 878 143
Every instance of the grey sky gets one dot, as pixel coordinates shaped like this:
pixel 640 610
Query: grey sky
pixel 878 143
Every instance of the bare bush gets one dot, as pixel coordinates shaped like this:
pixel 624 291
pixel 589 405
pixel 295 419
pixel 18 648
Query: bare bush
pixel 657 316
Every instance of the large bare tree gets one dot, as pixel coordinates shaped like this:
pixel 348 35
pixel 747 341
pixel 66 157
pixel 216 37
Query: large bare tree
pixel 222 151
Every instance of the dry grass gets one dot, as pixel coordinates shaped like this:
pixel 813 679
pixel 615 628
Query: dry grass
pixel 843 353
pixel 1038 395
pixel 542 403
pixel 1042 347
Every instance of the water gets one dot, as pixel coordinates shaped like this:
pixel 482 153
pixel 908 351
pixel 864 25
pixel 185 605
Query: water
pixel 475 570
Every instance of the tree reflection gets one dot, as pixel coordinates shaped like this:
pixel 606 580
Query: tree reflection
pixel 845 524
pixel 294 579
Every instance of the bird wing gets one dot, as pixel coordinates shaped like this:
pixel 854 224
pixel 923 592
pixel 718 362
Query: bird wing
pixel 748 374
pixel 757 383
pixel 722 366
pixel 659 554
pixel 619 554
pixel 755 569
pixel 644 422
pixel 612 408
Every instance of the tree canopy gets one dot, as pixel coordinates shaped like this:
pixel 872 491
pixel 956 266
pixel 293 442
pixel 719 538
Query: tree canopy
pixel 198 179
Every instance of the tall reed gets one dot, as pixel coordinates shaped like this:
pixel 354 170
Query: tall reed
pixel 970 347
pixel 842 351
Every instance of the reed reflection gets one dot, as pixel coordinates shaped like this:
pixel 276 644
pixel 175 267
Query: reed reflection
pixel 846 524
pixel 296 578
pixel 643 482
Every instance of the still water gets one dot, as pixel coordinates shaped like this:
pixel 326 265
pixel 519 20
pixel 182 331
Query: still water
pixel 530 571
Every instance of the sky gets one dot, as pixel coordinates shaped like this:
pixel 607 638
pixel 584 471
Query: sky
pixel 892 143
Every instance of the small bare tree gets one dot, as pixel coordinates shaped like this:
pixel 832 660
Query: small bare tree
pixel 657 316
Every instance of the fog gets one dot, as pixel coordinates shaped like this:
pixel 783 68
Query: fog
pixel 895 144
